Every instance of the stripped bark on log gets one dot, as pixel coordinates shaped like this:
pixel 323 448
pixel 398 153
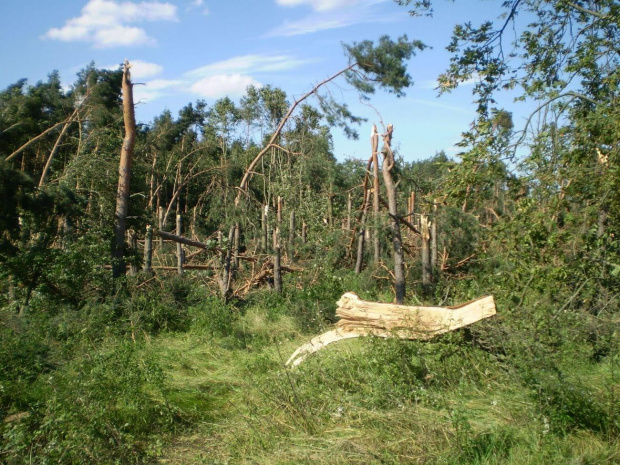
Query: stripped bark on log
pixel 361 318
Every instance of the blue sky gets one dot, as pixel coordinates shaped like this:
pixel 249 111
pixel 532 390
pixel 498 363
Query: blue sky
pixel 183 50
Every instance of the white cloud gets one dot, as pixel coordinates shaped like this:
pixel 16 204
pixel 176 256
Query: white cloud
pixel 249 64
pixel 349 12
pixel 121 36
pixel 103 22
pixel 198 3
pixel 221 85
pixel 144 69
pixel 319 5
pixel 206 12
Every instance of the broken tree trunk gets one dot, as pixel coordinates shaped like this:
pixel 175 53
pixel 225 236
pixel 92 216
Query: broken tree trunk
pixel 390 187
pixel 124 175
pixel 374 141
pixel 361 318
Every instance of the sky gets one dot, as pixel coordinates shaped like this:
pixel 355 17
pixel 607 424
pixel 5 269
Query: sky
pixel 185 50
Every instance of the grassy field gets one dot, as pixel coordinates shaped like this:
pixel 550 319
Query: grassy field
pixel 363 401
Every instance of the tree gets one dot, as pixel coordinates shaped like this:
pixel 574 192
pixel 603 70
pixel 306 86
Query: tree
pixel 124 176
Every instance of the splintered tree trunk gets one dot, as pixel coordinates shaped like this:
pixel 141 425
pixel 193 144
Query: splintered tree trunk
pixel 426 255
pixel 374 140
pixel 359 318
pixel 390 186
pixel 124 175
pixel 304 232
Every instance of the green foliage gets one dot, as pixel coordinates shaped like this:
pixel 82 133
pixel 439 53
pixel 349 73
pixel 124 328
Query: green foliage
pixel 102 408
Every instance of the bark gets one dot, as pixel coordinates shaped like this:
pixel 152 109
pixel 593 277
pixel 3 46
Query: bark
pixel 390 186
pixel 124 175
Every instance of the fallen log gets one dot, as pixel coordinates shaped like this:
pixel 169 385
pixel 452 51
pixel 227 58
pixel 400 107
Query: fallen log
pixel 361 318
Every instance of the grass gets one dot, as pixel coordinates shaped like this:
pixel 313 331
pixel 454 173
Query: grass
pixel 345 405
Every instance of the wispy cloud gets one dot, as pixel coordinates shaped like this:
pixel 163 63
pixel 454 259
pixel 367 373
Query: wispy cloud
pixel 332 14
pixel 198 4
pixel 249 64
pixel 319 5
pixel 105 23
pixel 444 106
pixel 158 88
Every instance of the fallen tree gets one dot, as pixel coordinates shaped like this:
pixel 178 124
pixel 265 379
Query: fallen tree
pixel 361 318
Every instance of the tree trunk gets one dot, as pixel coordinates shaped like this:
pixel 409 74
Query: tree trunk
pixel 179 248
pixel 124 175
pixel 237 245
pixel 359 262
pixel 291 237
pixel 374 139
pixel 133 241
pixel 390 186
pixel 426 255
pixel 277 267
pixel 434 238
pixel 265 228
pixel 226 273
pixel 148 249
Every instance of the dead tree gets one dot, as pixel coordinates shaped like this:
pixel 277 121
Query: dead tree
pixel 124 175
pixel 390 186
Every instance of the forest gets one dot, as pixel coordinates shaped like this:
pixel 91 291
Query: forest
pixel 155 277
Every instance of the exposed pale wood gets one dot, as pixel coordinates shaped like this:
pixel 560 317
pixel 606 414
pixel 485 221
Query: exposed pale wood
pixel 124 174
pixel 361 318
